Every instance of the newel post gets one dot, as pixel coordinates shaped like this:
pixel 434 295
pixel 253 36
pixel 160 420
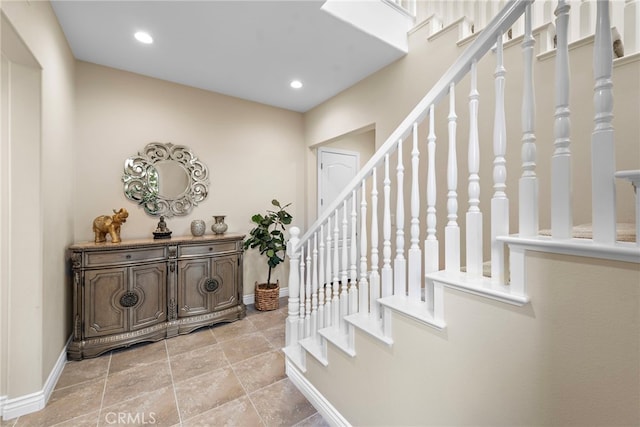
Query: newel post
pixel 293 253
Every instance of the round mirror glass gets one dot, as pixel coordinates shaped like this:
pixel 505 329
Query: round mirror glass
pixel 168 179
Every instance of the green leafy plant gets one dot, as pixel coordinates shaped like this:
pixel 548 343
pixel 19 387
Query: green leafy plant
pixel 268 235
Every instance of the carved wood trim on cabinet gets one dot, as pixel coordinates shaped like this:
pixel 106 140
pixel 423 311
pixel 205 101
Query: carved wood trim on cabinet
pixel 147 290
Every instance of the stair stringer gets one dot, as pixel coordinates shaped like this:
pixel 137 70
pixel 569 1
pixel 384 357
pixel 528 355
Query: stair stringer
pixel 498 363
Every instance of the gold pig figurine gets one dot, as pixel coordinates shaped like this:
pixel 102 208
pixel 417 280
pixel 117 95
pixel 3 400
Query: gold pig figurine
pixel 109 224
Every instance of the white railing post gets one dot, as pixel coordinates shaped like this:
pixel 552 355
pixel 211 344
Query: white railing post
pixel 474 215
pixel 499 201
pixel 400 264
pixel 328 319
pixel 335 306
pixel 528 210
pixel 452 230
pixel 374 278
pixel 587 18
pixel 633 176
pixel 344 276
pixel 321 279
pixel 602 141
pixel 301 327
pixel 431 250
pixel 353 273
pixel 363 286
pixel 293 319
pixel 314 288
pixel 561 182
pixel 387 273
pixel 632 26
pixel 307 301
pixel 415 254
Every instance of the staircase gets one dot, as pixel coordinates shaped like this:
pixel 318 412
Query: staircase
pixel 470 323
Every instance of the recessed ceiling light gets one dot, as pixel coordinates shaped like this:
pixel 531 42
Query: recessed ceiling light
pixel 296 84
pixel 143 37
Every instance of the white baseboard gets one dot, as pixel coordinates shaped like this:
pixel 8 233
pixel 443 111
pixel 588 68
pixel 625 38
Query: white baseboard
pixel 251 298
pixel 23 405
pixel 317 399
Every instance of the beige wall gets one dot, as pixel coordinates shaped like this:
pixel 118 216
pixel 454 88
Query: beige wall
pixel 570 357
pixel 254 153
pixel 38 196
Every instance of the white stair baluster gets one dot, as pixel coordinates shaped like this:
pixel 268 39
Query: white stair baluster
pixel 335 305
pixel 344 277
pixel 307 301
pixel 353 270
pixel 303 290
pixel 363 286
pixel 374 278
pixel 474 215
pixel 528 210
pixel 314 288
pixel 415 253
pixel 328 319
pixel 452 230
pixel 293 319
pixel 561 183
pixel 499 201
pixel 321 279
pixel 602 139
pixel 431 250
pixel 587 18
pixel 387 273
pixel 399 263
pixel 631 27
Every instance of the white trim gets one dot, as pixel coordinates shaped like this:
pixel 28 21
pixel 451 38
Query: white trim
pixel 251 298
pixel 317 399
pixel 413 309
pixel 3 399
pixel 481 286
pixel 620 251
pixel 23 405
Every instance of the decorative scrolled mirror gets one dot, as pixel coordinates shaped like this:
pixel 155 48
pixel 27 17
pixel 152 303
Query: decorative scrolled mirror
pixel 165 179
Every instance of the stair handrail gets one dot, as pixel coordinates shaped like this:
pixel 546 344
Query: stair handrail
pixel 485 40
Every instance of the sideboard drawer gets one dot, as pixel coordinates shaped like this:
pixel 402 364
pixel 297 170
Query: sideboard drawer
pixel 99 258
pixel 211 248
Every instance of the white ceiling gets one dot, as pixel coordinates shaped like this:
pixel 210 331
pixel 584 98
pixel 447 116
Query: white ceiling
pixel 247 49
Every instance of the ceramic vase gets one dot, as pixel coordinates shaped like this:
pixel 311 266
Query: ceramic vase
pixel 198 227
pixel 219 226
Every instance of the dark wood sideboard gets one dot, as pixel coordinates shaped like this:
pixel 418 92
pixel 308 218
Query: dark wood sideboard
pixel 147 290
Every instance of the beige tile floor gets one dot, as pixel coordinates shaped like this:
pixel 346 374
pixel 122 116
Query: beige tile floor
pixel 227 375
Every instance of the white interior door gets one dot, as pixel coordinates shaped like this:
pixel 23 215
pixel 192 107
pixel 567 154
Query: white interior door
pixel 336 168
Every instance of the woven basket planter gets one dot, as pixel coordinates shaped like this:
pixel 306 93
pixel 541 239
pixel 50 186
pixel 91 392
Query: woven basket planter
pixel 266 296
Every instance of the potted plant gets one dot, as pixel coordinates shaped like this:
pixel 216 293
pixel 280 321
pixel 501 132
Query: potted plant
pixel 268 237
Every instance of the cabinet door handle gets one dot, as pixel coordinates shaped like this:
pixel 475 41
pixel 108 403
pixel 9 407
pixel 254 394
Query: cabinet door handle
pixel 210 249
pixel 129 299
pixel 211 285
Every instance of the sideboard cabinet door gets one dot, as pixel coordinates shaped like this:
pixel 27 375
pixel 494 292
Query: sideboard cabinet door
pixel 124 299
pixel 148 282
pixel 207 284
pixel 193 299
pixel 103 313
pixel 226 271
